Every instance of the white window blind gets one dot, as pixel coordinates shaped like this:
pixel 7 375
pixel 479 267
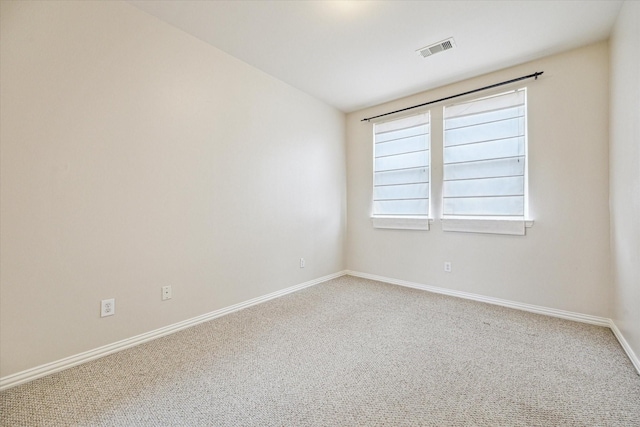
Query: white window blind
pixel 485 152
pixel 401 167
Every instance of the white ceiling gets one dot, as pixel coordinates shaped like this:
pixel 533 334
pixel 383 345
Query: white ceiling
pixel 355 54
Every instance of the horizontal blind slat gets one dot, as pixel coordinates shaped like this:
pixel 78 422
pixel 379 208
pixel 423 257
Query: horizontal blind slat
pixel 471 162
pixel 510 206
pixel 485 132
pixel 401 207
pixel 401 153
pixel 496 102
pixel 483 117
pixel 485 169
pixel 401 150
pixel 405 176
pixel 497 149
pixel 490 177
pixel 398 192
pixel 405 145
pixel 407 183
pixel 407 122
pixel 404 133
pixel 409 160
pixel 485 187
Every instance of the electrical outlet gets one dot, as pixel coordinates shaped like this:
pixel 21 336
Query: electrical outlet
pixel 447 267
pixel 302 263
pixel 107 307
pixel 166 292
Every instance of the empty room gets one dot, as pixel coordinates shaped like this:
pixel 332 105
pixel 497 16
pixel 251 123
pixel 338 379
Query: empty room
pixel 319 213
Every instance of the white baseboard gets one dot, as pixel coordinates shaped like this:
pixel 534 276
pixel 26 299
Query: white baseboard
pixel 625 345
pixel 68 362
pixel 71 361
pixel 563 314
pixel 578 317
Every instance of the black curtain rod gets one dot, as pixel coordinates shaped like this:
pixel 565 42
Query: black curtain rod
pixel 536 74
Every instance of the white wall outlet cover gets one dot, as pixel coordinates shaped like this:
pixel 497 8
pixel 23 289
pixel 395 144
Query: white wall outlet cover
pixel 166 293
pixel 107 307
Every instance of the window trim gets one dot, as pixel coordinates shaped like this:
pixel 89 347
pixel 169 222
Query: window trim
pixel 515 227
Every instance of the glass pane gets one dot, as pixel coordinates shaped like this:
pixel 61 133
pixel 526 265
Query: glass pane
pixel 404 145
pixel 485 150
pixel 401 207
pixel 512 186
pixel 402 176
pixel 498 206
pixel 485 169
pixel 401 161
pixel 410 191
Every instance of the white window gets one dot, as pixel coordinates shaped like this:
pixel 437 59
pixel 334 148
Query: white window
pixel 485 164
pixel 401 173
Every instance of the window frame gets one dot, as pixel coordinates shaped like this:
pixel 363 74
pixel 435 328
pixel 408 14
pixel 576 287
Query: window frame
pixel 511 225
pixel 403 222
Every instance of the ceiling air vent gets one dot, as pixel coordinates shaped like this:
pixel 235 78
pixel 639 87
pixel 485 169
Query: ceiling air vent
pixel 436 48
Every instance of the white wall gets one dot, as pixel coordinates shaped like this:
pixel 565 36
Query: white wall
pixel 563 261
pixel 625 172
pixel 135 156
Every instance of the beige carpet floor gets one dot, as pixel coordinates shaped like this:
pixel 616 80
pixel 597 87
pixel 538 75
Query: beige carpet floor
pixel 349 352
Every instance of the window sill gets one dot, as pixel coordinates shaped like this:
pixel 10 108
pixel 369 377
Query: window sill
pixel 401 223
pixel 514 227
